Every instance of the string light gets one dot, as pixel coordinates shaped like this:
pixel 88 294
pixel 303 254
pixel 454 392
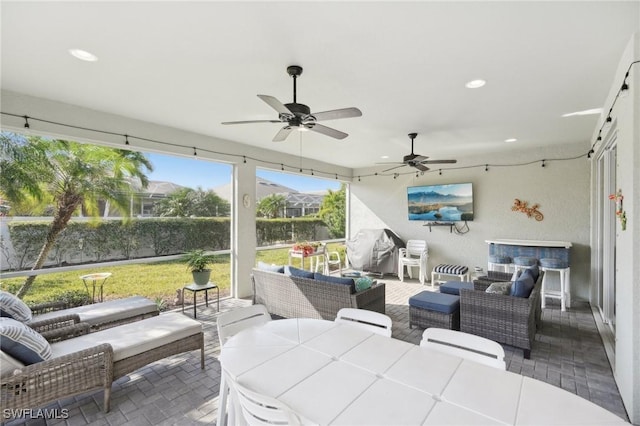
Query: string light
pixel 282 167
pixel 26 122
pixel 126 139
pixel 312 172
pixel 358 178
pixel 486 167
pixel 440 172
pixel 543 163
pixel 195 153
pixel 244 159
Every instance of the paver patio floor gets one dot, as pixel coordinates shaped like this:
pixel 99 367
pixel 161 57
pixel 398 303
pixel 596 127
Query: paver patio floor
pixel 568 353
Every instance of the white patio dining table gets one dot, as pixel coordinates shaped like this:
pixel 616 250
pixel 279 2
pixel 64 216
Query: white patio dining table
pixel 337 374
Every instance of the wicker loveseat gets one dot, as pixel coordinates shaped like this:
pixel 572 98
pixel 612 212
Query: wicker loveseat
pixel 296 297
pixel 506 319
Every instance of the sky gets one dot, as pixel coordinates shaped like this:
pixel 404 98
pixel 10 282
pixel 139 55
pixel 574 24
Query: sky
pixel 192 173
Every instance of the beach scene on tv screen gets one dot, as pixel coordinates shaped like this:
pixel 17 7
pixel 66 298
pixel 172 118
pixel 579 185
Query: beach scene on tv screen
pixel 452 202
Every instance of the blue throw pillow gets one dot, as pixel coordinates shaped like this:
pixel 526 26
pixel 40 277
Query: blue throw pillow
pixel 535 272
pixel 14 308
pixel 336 280
pixel 297 272
pixel 271 268
pixel 523 286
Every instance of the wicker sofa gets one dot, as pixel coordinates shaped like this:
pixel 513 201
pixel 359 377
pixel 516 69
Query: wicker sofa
pixel 294 297
pixel 506 319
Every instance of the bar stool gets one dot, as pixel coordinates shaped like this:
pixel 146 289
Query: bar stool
pixel 520 263
pixel 562 267
pixel 497 261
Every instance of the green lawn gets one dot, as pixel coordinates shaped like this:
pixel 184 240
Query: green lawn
pixel 156 281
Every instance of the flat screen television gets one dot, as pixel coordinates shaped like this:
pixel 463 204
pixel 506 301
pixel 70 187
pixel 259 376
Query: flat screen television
pixel 441 203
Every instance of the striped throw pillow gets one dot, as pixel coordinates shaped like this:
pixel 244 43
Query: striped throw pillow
pixel 12 307
pixel 22 342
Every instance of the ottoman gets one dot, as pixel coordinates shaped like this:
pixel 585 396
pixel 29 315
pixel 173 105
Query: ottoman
pixel 453 287
pixel 460 271
pixel 429 309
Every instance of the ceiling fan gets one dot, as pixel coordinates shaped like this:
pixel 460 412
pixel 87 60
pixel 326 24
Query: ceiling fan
pixel 415 160
pixel 299 116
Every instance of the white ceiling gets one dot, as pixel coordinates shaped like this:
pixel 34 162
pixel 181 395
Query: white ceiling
pixel 192 65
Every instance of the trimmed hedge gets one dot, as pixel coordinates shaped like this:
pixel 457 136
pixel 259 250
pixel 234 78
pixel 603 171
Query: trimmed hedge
pixel 85 242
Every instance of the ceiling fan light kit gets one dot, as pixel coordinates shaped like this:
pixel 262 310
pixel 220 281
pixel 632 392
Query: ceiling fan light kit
pixel 299 116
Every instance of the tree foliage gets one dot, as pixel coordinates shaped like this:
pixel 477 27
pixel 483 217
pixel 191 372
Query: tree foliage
pixel 76 176
pixel 271 206
pixel 333 211
pixel 189 202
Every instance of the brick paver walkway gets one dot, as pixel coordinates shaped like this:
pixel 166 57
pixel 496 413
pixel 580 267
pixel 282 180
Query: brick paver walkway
pixel 568 353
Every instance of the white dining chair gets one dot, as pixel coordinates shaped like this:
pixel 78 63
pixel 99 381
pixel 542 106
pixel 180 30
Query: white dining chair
pixel 368 320
pixel 464 345
pixel 255 409
pixel 414 255
pixel 230 323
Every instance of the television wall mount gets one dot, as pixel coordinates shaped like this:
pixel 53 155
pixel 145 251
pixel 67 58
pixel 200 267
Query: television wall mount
pixel 452 226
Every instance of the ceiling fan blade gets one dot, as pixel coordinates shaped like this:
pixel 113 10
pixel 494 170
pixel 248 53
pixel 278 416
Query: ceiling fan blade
pixel 420 167
pixel 275 104
pixel 393 168
pixel 337 113
pixel 439 162
pixel 328 131
pixel 282 134
pixel 391 162
pixel 251 121
pixel 419 159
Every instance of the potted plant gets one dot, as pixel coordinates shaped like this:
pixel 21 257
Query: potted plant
pixel 197 262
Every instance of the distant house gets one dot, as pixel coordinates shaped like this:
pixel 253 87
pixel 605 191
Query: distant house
pixel 298 203
pixel 143 200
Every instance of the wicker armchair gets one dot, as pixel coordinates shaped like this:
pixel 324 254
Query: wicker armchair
pixel 506 319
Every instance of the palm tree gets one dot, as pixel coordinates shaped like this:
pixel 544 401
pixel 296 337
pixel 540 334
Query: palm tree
pixel 271 206
pixel 333 211
pixel 77 176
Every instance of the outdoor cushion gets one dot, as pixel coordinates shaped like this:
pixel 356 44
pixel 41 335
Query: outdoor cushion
pixel 8 365
pixel 501 287
pixel 439 302
pixel 451 269
pixel 22 342
pixel 12 307
pixel 105 312
pixel 525 261
pixel 134 338
pixel 552 262
pixel 523 286
pixel 532 271
pixel 453 287
pixel 297 272
pixel 336 280
pixel 501 260
pixel 273 268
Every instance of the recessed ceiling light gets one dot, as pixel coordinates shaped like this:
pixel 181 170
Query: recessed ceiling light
pixel 474 84
pixel 585 112
pixel 384 156
pixel 510 140
pixel 83 55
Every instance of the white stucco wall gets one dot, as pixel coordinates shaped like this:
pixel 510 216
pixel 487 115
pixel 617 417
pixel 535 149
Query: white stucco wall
pixel 561 188
pixel 626 119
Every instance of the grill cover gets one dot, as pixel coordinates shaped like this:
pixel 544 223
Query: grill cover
pixel 374 250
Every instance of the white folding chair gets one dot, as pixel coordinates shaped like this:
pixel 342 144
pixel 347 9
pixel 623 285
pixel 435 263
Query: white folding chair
pixel 368 320
pixel 260 410
pixel 464 345
pixel 230 323
pixel 414 255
